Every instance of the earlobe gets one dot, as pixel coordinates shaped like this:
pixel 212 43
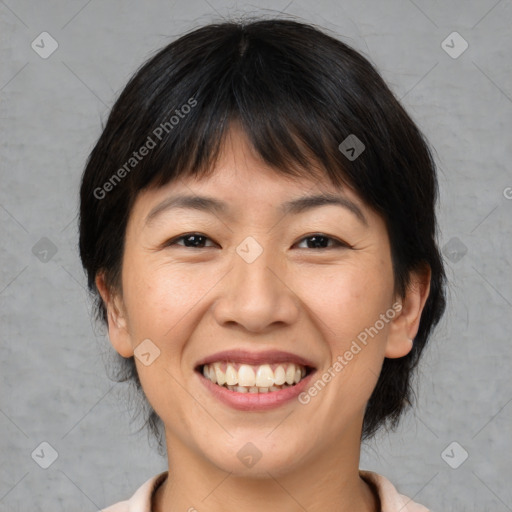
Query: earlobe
pixel 118 333
pixel 405 325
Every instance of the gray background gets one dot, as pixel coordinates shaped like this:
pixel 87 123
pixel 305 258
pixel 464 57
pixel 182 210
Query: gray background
pixel 53 382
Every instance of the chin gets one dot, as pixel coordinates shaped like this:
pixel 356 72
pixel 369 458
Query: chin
pixel 255 457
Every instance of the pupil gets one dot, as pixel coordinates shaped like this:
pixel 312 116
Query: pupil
pixel 313 241
pixel 194 244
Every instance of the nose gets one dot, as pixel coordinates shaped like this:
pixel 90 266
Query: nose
pixel 257 295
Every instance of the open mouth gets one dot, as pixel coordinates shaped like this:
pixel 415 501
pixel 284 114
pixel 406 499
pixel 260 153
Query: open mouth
pixel 248 378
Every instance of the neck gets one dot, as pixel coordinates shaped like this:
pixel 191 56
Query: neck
pixel 327 481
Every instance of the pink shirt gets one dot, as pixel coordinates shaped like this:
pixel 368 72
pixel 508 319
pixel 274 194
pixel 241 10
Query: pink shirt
pixel 390 499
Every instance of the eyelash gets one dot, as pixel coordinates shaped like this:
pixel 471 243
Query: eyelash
pixel 338 243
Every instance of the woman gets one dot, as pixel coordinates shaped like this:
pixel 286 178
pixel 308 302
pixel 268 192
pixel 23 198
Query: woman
pixel 258 225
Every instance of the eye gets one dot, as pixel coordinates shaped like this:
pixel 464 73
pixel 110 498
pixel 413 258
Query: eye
pixel 197 240
pixel 194 239
pixel 319 240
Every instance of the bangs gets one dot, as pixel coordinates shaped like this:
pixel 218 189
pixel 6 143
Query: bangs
pixel 294 118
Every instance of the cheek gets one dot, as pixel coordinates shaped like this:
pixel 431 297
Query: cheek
pixel 348 304
pixel 349 299
pixel 161 301
pixel 166 301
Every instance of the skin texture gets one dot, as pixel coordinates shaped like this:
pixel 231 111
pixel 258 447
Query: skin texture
pixel 192 302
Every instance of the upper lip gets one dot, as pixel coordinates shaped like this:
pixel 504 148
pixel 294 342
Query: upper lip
pixel 248 357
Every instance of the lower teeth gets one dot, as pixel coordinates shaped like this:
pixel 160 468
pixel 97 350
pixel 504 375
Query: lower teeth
pixel 244 389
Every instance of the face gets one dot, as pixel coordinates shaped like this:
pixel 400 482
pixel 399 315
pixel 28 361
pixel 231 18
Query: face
pixel 305 293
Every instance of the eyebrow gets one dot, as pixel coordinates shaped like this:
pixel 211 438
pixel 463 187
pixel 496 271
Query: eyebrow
pixel 217 207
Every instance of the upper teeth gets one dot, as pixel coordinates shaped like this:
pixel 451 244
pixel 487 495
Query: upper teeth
pixel 253 375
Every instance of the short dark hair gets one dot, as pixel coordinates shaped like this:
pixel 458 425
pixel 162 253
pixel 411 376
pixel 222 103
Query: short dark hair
pixel 297 93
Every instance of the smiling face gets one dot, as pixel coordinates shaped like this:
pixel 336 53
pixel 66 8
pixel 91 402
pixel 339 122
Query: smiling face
pixel 257 277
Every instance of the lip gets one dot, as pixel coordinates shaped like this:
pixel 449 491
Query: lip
pixel 255 401
pixel 247 357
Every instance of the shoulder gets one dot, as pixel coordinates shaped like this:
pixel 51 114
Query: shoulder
pixel 390 499
pixel 141 499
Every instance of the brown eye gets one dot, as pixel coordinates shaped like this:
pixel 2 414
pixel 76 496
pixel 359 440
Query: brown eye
pixel 319 241
pixel 190 240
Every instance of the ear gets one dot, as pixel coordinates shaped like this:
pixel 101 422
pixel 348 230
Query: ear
pixel 405 325
pixel 118 332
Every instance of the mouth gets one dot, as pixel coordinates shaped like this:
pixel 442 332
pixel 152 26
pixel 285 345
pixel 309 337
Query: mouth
pixel 255 381
pixel 254 378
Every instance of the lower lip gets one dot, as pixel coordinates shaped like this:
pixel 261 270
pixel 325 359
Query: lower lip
pixel 255 401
